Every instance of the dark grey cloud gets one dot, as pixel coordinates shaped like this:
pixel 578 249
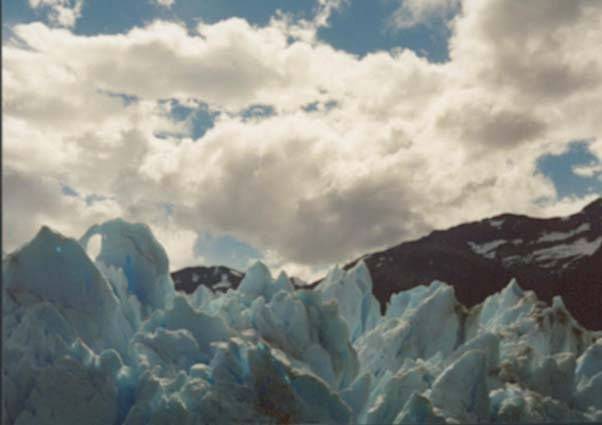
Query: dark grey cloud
pixel 26 200
pixel 377 211
pixel 486 125
pixel 531 47
pixel 285 200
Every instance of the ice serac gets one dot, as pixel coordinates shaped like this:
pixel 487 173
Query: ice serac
pixel 588 377
pixel 505 308
pixel 202 297
pixel 299 323
pixel 590 362
pixel 418 410
pixel 133 248
pixel 554 377
pixel 356 395
pixel 59 310
pixel 352 290
pixel 203 328
pixel 257 282
pixel 429 324
pixel 71 393
pixel 53 273
pixel 532 330
pixel 107 342
pixel 514 404
pixel 245 381
pixel 461 389
pixel 395 393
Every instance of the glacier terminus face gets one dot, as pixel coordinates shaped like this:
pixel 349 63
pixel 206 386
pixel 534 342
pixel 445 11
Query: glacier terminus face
pixel 108 341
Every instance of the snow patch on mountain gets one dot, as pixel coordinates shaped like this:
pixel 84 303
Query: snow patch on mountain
pixel 548 257
pixel 487 249
pixel 560 236
pixel 497 223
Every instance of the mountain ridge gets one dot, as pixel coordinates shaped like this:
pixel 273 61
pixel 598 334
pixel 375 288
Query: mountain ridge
pixel 547 255
pixel 551 256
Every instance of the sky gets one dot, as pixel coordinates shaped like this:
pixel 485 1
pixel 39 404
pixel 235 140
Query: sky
pixel 302 133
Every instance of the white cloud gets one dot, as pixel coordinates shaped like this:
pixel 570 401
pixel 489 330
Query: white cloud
pixel 230 63
pixel 31 201
pixel 413 12
pixel 325 10
pixel 306 30
pixel 404 146
pixel 166 3
pixel 178 243
pixel 63 13
pixel 588 170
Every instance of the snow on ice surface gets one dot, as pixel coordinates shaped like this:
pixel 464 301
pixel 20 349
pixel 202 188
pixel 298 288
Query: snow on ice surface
pixel 106 341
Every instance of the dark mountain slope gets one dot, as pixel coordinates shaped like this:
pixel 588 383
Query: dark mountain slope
pixel 215 277
pixel 218 278
pixel 557 256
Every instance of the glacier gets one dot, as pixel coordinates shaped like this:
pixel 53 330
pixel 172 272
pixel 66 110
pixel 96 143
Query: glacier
pixel 107 341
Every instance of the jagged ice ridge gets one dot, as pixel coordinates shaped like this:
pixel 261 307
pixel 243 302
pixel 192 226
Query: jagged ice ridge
pixel 107 341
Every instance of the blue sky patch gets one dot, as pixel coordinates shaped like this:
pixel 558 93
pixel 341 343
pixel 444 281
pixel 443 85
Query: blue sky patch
pixel 358 27
pixel 93 198
pixel 127 99
pixel 559 169
pixel 361 27
pixel 17 12
pixel 200 119
pixel 321 106
pixel 69 191
pixel 116 16
pixel 225 250
pixel 168 208
pixel 258 112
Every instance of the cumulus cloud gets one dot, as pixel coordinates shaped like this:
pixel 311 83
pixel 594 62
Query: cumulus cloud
pixel 588 170
pixel 230 63
pixel 391 147
pixel 325 9
pixel 537 51
pixel 63 13
pixel 166 3
pixel 480 119
pixel 31 201
pixel 413 12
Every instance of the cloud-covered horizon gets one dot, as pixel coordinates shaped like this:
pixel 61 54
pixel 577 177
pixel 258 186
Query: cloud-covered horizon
pixel 348 154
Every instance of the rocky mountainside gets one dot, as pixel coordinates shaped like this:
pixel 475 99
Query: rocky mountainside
pixel 555 256
pixel 218 278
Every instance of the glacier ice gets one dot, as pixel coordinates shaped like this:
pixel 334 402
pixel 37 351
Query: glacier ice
pixel 53 273
pixel 352 291
pixel 106 340
pixel 133 248
pixel 471 404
